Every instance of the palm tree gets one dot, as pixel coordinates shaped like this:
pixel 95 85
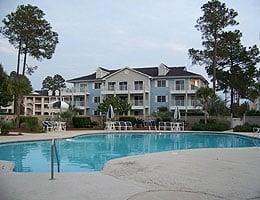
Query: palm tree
pixel 120 106
pixel 204 94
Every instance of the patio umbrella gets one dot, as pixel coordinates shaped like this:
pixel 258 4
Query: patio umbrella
pixel 177 114
pixel 110 112
pixel 62 105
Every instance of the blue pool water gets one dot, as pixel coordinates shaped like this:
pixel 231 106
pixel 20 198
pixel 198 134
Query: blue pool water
pixel 91 152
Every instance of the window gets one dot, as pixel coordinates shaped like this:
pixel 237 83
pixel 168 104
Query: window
pixel 138 101
pixel 194 84
pixel 123 85
pixel 139 85
pixel 194 101
pixel 138 112
pixel 180 85
pixel 161 83
pixel 96 112
pixel 96 99
pixel 82 87
pixel 111 86
pixel 179 100
pixel 97 85
pixel 161 98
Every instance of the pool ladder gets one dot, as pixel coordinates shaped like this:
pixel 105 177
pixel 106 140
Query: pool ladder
pixel 54 152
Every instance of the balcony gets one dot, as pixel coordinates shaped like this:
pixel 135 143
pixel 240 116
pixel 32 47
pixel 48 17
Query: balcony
pixel 74 91
pixel 139 104
pixel 123 90
pixel 115 89
pixel 139 87
pixel 122 87
pixel 191 105
pixel 29 100
pixel 79 104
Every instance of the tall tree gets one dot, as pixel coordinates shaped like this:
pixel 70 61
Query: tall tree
pixel 19 86
pixel 204 94
pixel 5 97
pixel 237 70
pixel 120 106
pixel 53 83
pixel 30 33
pixel 216 17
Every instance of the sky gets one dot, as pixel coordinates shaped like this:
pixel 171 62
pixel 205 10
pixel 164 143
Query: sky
pixel 115 34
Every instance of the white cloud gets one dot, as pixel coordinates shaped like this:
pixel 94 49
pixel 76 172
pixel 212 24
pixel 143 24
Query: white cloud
pixel 5 47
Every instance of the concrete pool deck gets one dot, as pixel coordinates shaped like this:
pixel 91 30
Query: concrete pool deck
pixel 188 174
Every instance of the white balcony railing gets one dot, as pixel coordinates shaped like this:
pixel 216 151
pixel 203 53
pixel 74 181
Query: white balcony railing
pixel 178 103
pixel 111 88
pixel 70 91
pixel 122 87
pixel 139 87
pixel 79 103
pixel 138 102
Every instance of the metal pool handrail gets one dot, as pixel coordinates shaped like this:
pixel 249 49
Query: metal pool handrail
pixel 53 152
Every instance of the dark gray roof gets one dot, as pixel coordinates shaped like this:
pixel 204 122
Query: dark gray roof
pixel 180 71
pixel 83 78
pixel 150 71
pixel 40 93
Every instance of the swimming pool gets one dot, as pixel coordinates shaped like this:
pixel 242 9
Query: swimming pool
pixel 91 152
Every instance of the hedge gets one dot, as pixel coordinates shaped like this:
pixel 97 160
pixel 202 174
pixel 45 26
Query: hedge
pixel 31 124
pixel 82 122
pixel 5 127
pixel 245 128
pixel 211 126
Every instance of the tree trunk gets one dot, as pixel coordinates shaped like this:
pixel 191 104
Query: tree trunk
pixel 231 100
pixel 18 109
pixel 18 57
pixel 205 112
pixel 24 61
pixel 214 62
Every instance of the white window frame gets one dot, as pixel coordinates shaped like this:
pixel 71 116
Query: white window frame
pixel 160 99
pixel 161 80
pixel 138 85
pixel 94 85
pixel 111 83
pixel 177 100
pixel 94 98
pixel 123 86
pixel 180 85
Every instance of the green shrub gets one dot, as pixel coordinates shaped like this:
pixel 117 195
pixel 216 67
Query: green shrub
pixel 82 122
pixel 128 118
pixel 253 113
pixel 195 113
pixel 211 126
pixel 5 127
pixel 94 123
pixel 245 128
pixel 139 122
pixel 31 124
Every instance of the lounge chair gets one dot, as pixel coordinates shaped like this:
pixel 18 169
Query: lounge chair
pixel 161 125
pixel 123 125
pixel 256 130
pixel 48 126
pixel 109 126
pixel 117 125
pixel 178 126
pixel 168 126
pixel 129 125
